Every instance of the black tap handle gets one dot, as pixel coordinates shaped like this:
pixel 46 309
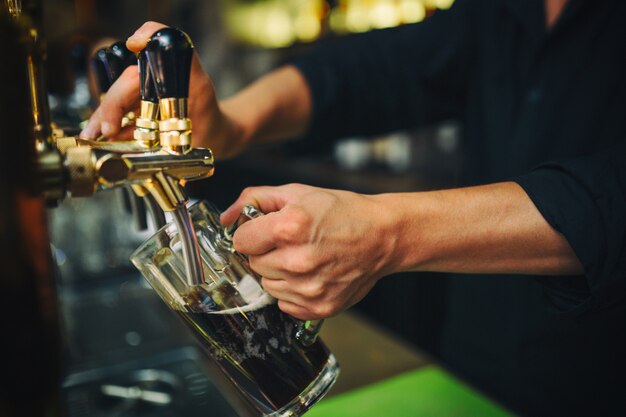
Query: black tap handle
pixel 119 58
pixel 100 65
pixel 169 53
pixel 147 88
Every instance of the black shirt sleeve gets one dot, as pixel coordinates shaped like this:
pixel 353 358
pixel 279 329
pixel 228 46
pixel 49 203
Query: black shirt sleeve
pixel 585 199
pixel 390 79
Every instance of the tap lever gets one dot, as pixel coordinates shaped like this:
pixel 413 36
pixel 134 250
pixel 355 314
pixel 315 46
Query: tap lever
pixel 147 126
pixel 169 53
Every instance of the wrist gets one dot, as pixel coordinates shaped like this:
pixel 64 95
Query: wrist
pixel 239 122
pixel 226 135
pixel 406 230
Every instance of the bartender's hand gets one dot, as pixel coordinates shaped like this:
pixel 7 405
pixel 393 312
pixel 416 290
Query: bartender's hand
pixel 276 107
pixel 319 251
pixel 211 127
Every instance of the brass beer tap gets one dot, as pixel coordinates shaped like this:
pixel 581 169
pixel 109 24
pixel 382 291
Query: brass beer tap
pixel 169 52
pixel 160 159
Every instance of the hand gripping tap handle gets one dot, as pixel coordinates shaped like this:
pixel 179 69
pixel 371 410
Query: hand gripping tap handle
pixel 169 53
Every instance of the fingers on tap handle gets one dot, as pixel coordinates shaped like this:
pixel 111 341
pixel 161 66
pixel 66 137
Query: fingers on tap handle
pixel 108 66
pixel 122 97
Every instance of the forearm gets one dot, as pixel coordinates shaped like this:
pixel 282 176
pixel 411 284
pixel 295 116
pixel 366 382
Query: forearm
pixel 274 108
pixel 488 229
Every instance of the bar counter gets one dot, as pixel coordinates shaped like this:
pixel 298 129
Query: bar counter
pixel 383 376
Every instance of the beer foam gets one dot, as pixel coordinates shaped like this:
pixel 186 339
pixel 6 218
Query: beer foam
pixel 252 292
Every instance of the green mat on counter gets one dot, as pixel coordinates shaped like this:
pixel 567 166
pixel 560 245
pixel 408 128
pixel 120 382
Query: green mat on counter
pixel 428 392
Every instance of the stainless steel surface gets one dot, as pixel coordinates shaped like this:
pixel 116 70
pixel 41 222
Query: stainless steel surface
pixel 126 355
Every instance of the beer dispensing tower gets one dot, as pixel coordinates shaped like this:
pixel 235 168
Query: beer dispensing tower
pixel 40 165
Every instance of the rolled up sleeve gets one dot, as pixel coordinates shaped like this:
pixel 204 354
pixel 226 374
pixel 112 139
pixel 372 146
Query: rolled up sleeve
pixel 585 200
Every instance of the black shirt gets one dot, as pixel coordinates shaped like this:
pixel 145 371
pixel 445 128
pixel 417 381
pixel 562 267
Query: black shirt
pixel 544 108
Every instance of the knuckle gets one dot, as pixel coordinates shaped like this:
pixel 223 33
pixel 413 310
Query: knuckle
pixel 239 243
pixel 247 192
pixel 269 285
pixel 288 230
pixel 300 264
pixel 265 282
pixel 253 261
pixel 325 309
pixel 152 25
pixel 288 308
pixel 314 290
pixel 294 225
pixel 294 186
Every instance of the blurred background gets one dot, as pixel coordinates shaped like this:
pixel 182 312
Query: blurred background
pixel 117 332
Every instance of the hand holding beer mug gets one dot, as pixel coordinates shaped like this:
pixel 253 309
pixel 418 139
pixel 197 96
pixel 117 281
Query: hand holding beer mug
pixel 275 361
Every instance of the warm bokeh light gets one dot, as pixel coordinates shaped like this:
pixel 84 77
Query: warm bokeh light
pixel 280 23
pixel 412 11
pixel 384 14
pixel 357 16
pixel 438 4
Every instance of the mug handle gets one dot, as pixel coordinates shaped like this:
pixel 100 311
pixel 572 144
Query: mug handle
pixel 306 330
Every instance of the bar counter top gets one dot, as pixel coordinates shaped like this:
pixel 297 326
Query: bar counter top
pixel 383 376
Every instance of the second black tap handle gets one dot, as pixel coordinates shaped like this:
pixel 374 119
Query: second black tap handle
pixel 119 58
pixel 169 52
pixel 100 65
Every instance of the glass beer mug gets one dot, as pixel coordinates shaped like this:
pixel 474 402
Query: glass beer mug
pixel 275 362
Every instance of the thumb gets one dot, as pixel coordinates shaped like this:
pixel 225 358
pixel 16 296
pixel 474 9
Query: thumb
pixel 138 40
